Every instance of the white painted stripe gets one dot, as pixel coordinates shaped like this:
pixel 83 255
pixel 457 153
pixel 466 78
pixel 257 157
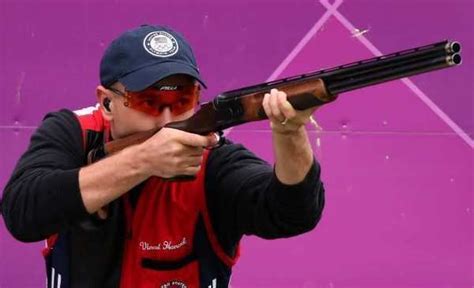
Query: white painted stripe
pixel 458 130
pixel 309 35
pixel 304 41
pixel 17 127
pixel 422 96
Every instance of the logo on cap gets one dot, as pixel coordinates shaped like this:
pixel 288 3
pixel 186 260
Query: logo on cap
pixel 160 44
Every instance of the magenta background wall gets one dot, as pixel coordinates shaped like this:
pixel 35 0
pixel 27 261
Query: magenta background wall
pixel 397 158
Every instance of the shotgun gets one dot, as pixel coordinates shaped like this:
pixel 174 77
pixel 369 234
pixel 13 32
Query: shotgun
pixel 304 91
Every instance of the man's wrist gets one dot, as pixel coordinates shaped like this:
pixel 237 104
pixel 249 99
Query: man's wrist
pixel 137 160
pixel 282 131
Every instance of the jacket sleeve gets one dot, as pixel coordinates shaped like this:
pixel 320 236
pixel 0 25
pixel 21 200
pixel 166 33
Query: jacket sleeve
pixel 42 195
pixel 245 197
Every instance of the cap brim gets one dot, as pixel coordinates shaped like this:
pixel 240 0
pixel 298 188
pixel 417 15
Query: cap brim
pixel 147 76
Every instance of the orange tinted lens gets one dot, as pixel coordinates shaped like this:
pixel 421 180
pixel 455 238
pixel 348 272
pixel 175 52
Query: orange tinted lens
pixel 154 100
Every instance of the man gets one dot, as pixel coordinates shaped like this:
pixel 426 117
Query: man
pixel 119 221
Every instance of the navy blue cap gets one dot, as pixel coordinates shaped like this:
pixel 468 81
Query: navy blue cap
pixel 140 57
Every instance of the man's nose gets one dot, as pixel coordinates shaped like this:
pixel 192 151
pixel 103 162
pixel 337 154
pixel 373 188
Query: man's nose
pixel 165 116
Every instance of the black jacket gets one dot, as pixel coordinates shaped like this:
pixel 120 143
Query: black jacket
pixel 244 196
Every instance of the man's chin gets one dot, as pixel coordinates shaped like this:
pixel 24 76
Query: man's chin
pixel 136 132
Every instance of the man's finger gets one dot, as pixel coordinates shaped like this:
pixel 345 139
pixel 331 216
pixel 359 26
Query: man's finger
pixel 192 139
pixel 274 106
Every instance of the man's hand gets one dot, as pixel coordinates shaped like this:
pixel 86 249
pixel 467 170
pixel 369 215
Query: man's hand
pixel 293 153
pixel 284 119
pixel 172 152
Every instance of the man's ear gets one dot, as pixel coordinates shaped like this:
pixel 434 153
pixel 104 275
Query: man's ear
pixel 105 102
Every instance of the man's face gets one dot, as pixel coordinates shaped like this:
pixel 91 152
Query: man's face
pixel 151 108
